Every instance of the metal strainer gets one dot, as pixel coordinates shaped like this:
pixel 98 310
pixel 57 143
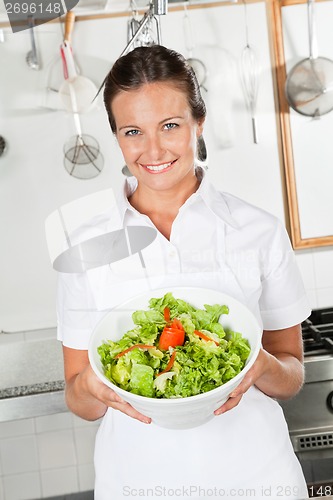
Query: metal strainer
pixel 309 84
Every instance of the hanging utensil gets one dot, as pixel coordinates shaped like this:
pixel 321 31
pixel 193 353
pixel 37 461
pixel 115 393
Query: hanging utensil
pixel 146 37
pixel 126 171
pixel 83 158
pixel 32 57
pixel 250 77
pixel 133 23
pixel 202 151
pixel 3 145
pixel 156 8
pixel 198 66
pixel 309 84
pixel 84 88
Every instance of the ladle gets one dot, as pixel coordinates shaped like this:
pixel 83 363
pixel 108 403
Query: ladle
pixel 32 58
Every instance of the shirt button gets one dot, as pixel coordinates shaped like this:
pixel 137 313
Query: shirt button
pixel 172 253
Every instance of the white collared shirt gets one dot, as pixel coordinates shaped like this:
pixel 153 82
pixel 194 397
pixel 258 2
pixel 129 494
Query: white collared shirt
pixel 217 241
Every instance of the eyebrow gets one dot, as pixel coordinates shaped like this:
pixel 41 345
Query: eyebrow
pixel 160 123
pixel 128 126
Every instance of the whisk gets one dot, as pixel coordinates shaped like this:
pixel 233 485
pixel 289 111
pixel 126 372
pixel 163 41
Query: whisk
pixel 83 158
pixel 250 72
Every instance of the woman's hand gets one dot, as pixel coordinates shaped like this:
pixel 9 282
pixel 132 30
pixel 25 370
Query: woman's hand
pixel 86 395
pixel 278 369
pixel 259 367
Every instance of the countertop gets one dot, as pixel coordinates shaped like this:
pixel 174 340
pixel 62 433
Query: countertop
pixel 31 379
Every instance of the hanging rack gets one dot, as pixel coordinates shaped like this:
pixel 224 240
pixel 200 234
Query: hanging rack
pixel 156 8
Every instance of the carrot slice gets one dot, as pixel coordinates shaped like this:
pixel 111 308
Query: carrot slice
pixel 169 365
pixel 205 337
pixel 167 314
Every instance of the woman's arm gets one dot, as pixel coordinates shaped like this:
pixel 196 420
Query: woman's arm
pixel 278 370
pixel 86 395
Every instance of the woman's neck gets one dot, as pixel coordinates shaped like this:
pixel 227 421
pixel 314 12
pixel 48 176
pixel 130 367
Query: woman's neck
pixel 162 207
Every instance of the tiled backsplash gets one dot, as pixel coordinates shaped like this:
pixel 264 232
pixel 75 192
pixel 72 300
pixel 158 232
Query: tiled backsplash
pixel 316 266
pixel 46 457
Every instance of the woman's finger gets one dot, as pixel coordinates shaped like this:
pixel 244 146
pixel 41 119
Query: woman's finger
pixel 228 405
pixel 113 400
pixel 130 411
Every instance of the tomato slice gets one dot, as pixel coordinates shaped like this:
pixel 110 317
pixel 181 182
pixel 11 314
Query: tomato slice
pixel 205 337
pixel 169 365
pixel 136 346
pixel 171 337
pixel 176 323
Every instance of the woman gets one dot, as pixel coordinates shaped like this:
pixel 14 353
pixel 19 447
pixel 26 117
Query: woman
pixel 204 238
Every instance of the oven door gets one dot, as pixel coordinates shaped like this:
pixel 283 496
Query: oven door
pixel 309 416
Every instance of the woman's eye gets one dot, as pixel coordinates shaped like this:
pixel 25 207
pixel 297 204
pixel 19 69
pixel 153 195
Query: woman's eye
pixel 170 126
pixel 132 132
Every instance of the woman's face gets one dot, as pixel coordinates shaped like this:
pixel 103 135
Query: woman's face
pixel 157 134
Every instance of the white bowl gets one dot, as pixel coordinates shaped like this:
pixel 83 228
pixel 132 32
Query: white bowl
pixel 179 413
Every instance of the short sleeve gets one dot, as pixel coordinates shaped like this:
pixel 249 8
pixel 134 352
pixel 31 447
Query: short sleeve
pixel 283 302
pixel 76 311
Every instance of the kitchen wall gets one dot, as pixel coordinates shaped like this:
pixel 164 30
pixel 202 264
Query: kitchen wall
pixel 50 456
pixel 34 181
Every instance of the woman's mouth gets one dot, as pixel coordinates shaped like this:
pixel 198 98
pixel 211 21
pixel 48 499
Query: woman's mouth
pixel 158 168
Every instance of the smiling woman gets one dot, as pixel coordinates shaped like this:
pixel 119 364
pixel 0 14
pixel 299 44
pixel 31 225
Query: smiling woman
pixel 159 153
pixel 157 120
pixel 207 239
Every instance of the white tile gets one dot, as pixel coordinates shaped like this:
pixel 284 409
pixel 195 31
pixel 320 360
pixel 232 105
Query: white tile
pixel 19 455
pixel 85 444
pixel 325 297
pixel 17 428
pixel 22 487
pixel 80 422
pixel 54 422
pixel 61 481
pixel 312 297
pixel 323 263
pixel 305 263
pixel 86 477
pixel 56 449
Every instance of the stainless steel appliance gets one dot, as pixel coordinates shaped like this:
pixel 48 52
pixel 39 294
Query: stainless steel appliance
pixel 310 414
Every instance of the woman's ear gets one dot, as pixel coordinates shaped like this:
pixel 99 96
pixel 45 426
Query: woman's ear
pixel 200 128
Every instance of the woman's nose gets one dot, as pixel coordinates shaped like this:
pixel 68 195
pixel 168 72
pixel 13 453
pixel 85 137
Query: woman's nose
pixel 155 147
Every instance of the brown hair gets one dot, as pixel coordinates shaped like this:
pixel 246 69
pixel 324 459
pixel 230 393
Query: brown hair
pixel 150 65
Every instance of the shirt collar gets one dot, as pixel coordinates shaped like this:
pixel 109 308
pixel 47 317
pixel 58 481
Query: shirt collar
pixel 212 198
pixel 129 186
pixel 215 200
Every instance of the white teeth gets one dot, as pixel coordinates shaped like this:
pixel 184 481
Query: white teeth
pixel 157 168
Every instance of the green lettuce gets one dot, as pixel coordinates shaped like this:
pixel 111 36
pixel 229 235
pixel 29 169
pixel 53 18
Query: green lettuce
pixel 199 366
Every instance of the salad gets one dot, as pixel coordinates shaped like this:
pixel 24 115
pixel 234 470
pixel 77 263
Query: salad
pixel 174 350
